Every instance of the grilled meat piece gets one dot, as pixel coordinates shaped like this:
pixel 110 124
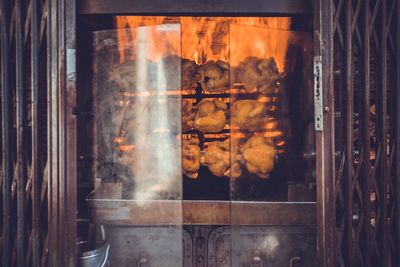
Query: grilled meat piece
pixel 191 157
pixel 248 114
pixel 210 116
pixel 217 158
pixel 260 73
pixel 213 76
pixel 259 155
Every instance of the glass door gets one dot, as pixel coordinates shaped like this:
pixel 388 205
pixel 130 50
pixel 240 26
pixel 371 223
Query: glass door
pixel 137 144
pixel 272 146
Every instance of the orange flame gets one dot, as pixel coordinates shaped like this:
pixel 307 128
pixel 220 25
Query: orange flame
pixel 202 39
pixel 208 38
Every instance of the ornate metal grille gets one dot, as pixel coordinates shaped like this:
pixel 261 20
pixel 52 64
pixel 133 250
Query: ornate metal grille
pixel 24 130
pixel 365 100
pixel 37 126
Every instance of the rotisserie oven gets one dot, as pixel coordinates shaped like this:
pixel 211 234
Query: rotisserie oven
pixel 201 128
pixel 207 133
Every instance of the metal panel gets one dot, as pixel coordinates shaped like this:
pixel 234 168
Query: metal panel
pixel 124 212
pixel 210 245
pixel 147 246
pixel 268 246
pixel 231 7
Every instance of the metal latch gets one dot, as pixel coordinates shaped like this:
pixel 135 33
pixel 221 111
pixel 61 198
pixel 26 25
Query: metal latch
pixel 318 105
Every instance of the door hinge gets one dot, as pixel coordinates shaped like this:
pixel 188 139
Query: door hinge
pixel 318 105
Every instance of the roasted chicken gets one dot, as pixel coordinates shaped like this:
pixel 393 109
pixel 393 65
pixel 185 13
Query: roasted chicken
pixel 247 114
pixel 217 158
pixel 210 116
pixel 213 76
pixel 260 73
pixel 258 155
pixel 191 157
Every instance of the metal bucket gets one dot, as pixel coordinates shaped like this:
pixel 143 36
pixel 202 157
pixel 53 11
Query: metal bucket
pixel 94 258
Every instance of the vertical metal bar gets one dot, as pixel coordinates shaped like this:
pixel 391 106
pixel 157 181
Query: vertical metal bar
pixel 21 134
pixel 349 136
pixel 6 133
pixel 35 137
pixel 383 139
pixel 366 137
pixel 52 164
pixel 59 128
pixel 323 46
pixel 62 132
pixel 71 139
pixel 397 131
pixel 58 124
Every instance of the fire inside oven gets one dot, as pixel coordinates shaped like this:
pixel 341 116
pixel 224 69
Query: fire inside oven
pixel 210 108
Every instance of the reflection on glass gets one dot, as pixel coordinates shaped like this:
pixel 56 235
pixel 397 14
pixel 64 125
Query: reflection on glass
pixel 135 111
pixel 265 77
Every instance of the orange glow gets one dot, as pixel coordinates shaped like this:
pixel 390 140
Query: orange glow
pixel 238 135
pixel 281 143
pixel 273 134
pixel 125 148
pixel 264 99
pixel 271 125
pixel 119 140
pixel 207 38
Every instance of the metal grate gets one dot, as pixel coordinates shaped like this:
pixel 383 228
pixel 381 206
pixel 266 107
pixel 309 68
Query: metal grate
pixel 365 100
pixel 24 133
pixel 37 127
